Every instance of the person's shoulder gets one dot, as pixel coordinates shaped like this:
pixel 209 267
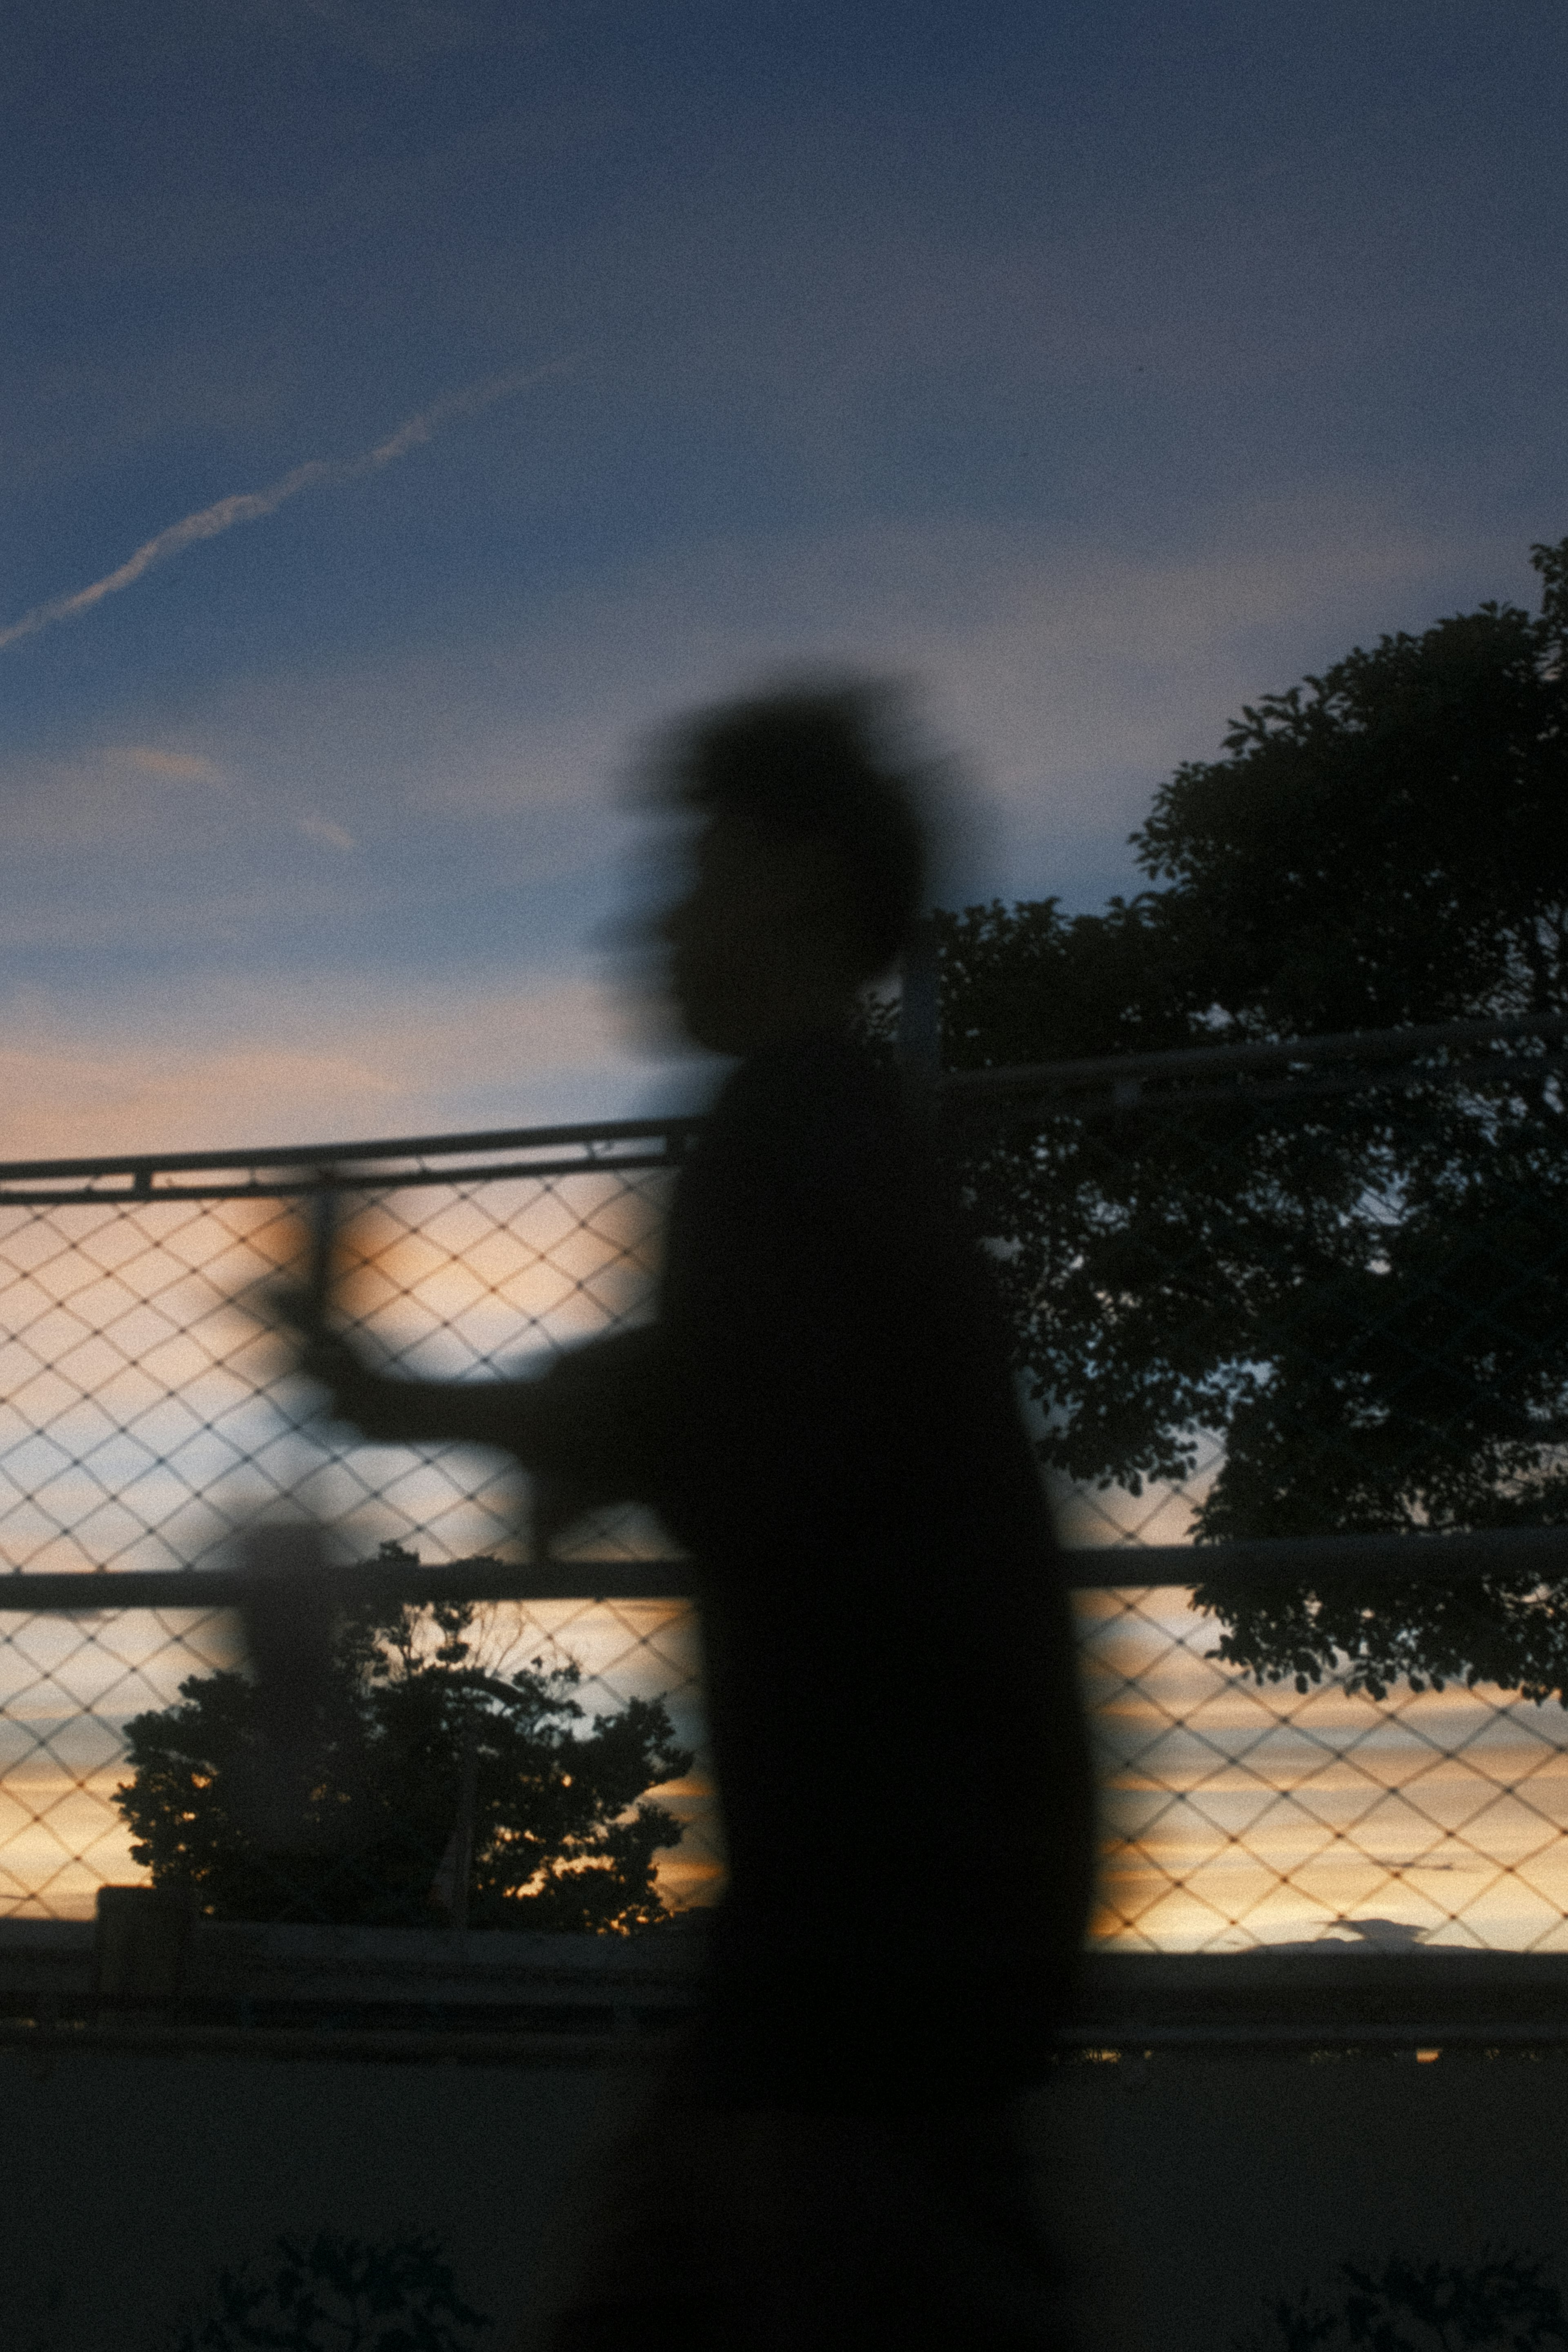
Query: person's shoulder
pixel 824 1083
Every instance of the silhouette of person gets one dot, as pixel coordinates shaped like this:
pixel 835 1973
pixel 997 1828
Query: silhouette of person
pixel 823 1413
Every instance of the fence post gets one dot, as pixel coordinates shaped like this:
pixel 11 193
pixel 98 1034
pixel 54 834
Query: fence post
pixel 919 1044
pixel 141 1938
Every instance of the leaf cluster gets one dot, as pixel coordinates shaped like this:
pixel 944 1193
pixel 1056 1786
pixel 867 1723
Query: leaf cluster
pixel 400 2296
pixel 1385 843
pixel 359 1815
pixel 1353 1290
pixel 1500 2302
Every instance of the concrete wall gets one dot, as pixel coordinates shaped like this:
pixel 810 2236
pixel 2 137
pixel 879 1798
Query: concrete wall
pixel 1198 2185
pixel 1209 2184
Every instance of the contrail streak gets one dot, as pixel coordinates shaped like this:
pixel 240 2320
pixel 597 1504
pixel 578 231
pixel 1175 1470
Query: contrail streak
pixel 250 506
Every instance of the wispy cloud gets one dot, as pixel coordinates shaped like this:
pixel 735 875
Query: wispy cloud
pixel 173 767
pixel 116 801
pixel 321 828
pixel 251 505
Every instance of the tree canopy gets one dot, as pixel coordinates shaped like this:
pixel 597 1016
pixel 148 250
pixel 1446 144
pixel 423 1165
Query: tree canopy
pixel 564 1836
pixel 1357 1287
pixel 386 2296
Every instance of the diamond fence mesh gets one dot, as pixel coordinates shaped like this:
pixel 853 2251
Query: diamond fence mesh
pixel 1261 1295
pixel 150 1416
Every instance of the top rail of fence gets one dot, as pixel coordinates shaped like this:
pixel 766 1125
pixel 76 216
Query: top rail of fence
pixel 277 1170
pixel 578 1148
pixel 1111 1072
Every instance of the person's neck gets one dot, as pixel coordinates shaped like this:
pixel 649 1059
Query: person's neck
pixel 809 1014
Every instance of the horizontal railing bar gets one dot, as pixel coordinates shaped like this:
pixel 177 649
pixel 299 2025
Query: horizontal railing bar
pixel 476 2047
pixel 1549 2030
pixel 326 1155
pixel 1492 1067
pixel 387 2044
pixel 1286 1561
pixel 67 1593
pixel 377 1180
pixel 1346 1045
pixel 141 1169
pixel 1298 1561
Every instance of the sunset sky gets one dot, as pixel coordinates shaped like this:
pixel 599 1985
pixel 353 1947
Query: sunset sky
pixel 535 371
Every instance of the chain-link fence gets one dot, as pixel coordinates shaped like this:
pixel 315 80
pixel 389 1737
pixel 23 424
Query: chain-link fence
pixel 150 1416
pixel 1271 1296
pixel 1309 1305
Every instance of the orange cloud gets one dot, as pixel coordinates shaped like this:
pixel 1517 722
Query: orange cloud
pixel 274 1062
pixel 320 828
pixel 176 767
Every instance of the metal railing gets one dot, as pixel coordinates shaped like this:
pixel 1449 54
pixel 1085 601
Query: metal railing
pixel 148 1415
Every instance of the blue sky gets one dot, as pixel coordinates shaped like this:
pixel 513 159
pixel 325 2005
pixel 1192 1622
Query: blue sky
pixel 1092 367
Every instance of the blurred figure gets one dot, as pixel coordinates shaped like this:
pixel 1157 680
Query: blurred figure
pixel 287 1621
pixel 824 1415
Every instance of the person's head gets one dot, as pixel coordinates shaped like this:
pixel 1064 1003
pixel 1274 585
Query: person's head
pixel 809 869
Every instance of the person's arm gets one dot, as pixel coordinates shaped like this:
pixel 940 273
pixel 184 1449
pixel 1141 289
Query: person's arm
pixel 588 1424
pixel 386 1410
pixel 391 1410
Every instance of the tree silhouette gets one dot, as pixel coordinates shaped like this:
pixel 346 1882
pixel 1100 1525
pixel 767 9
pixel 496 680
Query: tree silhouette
pixel 402 1714
pixel 1361 1290
pixel 1400 2305
pixel 401 2297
